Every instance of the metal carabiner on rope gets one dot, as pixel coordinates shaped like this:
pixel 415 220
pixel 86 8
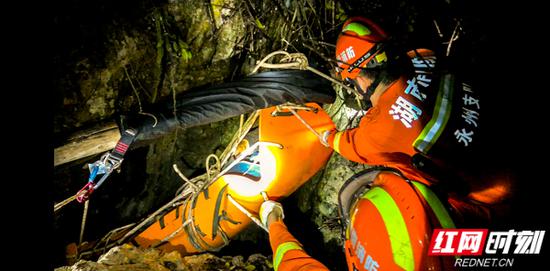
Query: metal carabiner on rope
pixel 105 165
pixel 110 163
pixel 97 168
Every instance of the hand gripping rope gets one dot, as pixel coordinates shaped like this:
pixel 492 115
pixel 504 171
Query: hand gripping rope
pixel 106 165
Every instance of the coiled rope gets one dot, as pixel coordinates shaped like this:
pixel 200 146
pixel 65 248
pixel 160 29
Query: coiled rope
pixel 299 61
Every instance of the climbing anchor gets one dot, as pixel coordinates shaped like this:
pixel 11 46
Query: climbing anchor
pixel 106 165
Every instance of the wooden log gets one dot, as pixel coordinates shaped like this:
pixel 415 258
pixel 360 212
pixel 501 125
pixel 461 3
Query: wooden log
pixel 87 143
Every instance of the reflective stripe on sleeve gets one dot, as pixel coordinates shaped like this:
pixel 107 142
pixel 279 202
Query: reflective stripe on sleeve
pixel 395 225
pixel 281 251
pixel 436 205
pixel 440 117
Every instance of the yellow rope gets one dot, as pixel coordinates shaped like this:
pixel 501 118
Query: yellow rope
pixel 241 123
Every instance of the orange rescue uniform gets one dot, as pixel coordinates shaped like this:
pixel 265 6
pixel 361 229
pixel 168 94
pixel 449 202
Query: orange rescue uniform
pixel 288 254
pixel 385 136
pixel 380 137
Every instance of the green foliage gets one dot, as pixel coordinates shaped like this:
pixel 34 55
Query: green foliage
pixel 183 51
pixel 259 24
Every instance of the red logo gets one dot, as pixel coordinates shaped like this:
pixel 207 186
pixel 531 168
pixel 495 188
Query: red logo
pixel 457 242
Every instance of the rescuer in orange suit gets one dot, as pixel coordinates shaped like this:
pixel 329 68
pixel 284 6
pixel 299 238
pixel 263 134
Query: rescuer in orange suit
pixel 414 139
pixel 288 253
pixel 387 221
pixel 421 115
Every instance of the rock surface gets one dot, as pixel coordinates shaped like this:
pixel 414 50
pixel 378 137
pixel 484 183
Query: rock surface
pixel 130 258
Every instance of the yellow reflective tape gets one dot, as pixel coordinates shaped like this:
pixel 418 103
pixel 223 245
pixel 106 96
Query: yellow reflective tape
pixel 436 205
pixel 281 251
pixel 395 224
pixel 358 28
pixel 336 141
pixel 381 57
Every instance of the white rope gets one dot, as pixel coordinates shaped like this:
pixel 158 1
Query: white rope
pixel 208 168
pixel 177 170
pixel 170 236
pixel 454 37
pixel 152 216
pixel 83 224
pixel 299 61
pixel 246 212
pixel 62 204
pixel 306 124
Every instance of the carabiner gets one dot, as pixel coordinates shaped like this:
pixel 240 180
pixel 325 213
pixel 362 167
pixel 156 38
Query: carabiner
pixel 84 193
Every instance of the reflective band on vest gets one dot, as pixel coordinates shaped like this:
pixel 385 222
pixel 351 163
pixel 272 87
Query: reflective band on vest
pixel 436 205
pixel 395 225
pixel 281 251
pixel 336 142
pixel 441 114
pixel 358 28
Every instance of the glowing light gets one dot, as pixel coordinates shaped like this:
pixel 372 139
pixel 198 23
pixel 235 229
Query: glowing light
pixel 244 186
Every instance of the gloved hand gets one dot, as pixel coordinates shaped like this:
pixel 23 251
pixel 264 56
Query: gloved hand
pixel 324 138
pixel 271 209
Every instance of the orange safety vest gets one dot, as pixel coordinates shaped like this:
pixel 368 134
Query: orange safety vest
pixel 288 254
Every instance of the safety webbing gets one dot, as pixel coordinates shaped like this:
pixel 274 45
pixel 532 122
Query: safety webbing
pixel 216 218
pixel 358 28
pixel 281 251
pixel 395 225
pixel 126 139
pixel 436 205
pixel 442 111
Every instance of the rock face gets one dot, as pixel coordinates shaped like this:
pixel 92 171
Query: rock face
pixel 130 258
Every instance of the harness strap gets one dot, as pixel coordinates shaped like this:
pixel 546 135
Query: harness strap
pixel 124 143
pixel 216 219
pixel 108 162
